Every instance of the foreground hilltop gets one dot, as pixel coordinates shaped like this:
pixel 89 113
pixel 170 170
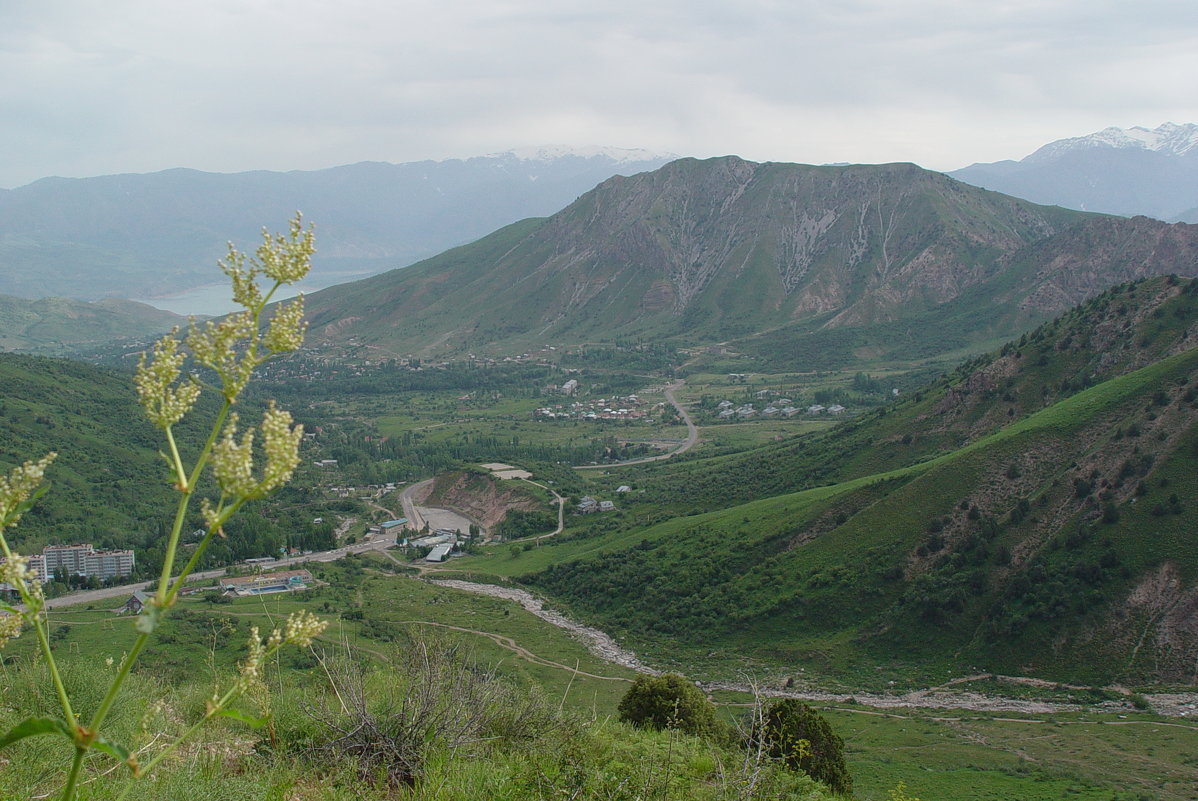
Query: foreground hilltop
pixel 724 249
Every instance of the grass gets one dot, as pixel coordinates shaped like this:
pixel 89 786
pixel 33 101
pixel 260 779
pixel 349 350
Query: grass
pixel 201 636
pixel 940 755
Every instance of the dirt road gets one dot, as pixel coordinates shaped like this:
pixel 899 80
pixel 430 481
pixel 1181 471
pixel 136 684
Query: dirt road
pixel 692 436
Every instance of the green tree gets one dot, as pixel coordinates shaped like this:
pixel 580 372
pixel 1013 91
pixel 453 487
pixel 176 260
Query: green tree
pixel 668 701
pixel 803 739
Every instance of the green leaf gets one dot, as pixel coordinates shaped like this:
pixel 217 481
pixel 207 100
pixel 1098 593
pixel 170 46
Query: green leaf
pixel 31 727
pixel 119 753
pixel 253 722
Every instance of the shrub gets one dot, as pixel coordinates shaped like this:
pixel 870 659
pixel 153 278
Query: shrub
pixel 668 701
pixel 803 739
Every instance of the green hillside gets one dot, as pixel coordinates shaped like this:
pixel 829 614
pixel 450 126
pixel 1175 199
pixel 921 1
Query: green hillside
pixel 1011 519
pixel 107 484
pixel 54 326
pixel 1127 327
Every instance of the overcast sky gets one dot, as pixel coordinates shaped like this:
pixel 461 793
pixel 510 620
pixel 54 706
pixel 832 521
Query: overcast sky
pixel 227 85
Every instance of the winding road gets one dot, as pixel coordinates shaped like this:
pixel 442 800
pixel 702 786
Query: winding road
pixel 692 436
pixel 561 514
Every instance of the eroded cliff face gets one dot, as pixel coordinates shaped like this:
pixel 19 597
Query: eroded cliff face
pixel 1098 253
pixel 477 497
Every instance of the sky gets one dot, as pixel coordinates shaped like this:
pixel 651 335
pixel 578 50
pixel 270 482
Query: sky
pixel 231 85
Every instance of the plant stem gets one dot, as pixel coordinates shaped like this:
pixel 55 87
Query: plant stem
pixel 118 680
pixel 43 642
pixel 68 792
pixel 34 608
pixel 172 544
pixel 199 551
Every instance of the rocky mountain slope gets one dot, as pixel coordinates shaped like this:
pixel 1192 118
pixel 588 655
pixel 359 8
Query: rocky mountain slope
pixel 1117 171
pixel 725 249
pixel 145 235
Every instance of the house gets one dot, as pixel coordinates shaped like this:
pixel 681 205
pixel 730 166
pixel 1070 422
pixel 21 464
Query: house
pixel 434 540
pixel 439 553
pixel 137 601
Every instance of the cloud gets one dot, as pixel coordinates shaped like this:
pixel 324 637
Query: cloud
pixel 135 86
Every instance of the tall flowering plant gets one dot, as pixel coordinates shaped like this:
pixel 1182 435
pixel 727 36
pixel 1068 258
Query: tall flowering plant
pixel 232 348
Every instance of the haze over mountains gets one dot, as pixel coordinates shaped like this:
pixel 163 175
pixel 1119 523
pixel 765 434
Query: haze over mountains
pixel 1116 171
pixel 146 235
pixel 682 254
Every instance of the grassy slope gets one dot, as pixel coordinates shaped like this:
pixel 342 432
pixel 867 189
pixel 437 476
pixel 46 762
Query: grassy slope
pixel 893 565
pixel 107 482
pixel 57 325
pixel 939 755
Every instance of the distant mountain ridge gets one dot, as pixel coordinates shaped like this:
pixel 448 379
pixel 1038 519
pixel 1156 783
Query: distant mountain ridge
pixel 145 235
pixel 1168 138
pixel 54 326
pixel 726 249
pixel 1129 171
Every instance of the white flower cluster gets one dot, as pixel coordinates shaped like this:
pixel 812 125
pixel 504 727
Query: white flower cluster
pixel 286 259
pixel 233 459
pixel 286 330
pixel 16 572
pixel 164 401
pixel 218 345
pixel 17 487
pixel 300 629
pixel 10 627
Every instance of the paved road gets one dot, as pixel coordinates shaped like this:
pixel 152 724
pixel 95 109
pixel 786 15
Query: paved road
pixel 415 519
pixel 692 436
pixel 125 590
pixel 561 514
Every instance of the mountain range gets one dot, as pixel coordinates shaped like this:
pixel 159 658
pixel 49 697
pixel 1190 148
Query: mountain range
pixel 142 236
pixel 765 256
pixel 1116 171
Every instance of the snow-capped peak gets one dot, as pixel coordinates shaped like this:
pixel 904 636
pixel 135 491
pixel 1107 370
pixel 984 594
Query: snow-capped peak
pixel 618 155
pixel 1169 138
